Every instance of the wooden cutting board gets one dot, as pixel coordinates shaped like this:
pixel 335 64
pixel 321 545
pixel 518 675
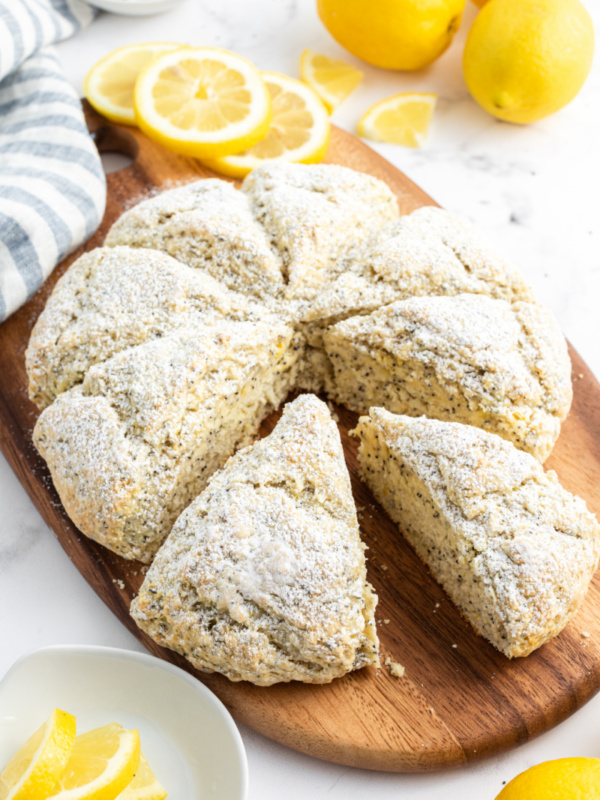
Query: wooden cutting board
pixel 459 700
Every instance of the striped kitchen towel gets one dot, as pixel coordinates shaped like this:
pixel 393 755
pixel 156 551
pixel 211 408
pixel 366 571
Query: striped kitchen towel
pixel 52 186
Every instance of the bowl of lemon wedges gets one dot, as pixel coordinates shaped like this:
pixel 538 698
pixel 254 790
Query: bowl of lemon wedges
pixel 95 722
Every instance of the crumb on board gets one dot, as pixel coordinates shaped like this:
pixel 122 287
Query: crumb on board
pixel 585 634
pixel 119 583
pixel 387 622
pixel 396 669
pixel 332 411
pixel 384 567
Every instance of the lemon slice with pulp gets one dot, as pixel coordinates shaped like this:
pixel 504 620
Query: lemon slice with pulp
pixel 299 130
pixel 144 786
pixel 102 763
pixel 33 772
pixel 110 83
pixel 401 119
pixel 332 80
pixel 202 102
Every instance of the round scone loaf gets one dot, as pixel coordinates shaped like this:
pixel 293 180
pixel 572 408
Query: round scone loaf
pixel 464 358
pixel 513 549
pixel 263 577
pixel 298 256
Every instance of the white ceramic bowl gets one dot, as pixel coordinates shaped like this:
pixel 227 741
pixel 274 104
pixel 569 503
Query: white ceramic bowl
pixel 187 734
pixel 134 8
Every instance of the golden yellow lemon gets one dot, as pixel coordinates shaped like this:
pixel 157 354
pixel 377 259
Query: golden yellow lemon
pixel 393 34
pixel 563 779
pixel 525 59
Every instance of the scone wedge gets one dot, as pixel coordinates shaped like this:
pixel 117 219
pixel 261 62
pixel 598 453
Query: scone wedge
pixel 263 577
pixel 132 445
pixel 113 298
pixel 466 358
pixel 513 549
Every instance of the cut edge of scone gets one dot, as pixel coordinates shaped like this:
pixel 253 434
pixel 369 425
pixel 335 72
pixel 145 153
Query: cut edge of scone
pixel 132 445
pixel 513 550
pixel 263 577
pixel 466 358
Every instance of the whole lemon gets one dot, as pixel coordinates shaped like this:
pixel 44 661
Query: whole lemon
pixel 525 59
pixel 393 34
pixel 564 779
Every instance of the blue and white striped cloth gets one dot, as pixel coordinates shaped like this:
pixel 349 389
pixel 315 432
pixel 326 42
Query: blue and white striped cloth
pixel 52 186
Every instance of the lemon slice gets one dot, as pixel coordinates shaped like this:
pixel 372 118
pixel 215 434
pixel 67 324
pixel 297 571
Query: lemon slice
pixel 110 83
pixel 299 129
pixel 202 102
pixel 401 119
pixel 332 80
pixel 102 763
pixel 144 786
pixel 33 772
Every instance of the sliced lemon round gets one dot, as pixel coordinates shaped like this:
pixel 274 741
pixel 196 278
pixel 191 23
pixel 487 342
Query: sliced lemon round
pixel 102 763
pixel 299 130
pixel 202 102
pixel 110 83
pixel 33 772
pixel 144 786
pixel 401 119
pixel 333 80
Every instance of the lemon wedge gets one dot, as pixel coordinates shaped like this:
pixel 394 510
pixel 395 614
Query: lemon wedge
pixel 102 763
pixel 333 80
pixel 33 772
pixel 401 119
pixel 299 130
pixel 110 83
pixel 203 102
pixel 144 785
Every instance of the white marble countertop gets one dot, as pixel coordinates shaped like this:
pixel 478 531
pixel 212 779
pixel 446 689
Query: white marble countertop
pixel 531 189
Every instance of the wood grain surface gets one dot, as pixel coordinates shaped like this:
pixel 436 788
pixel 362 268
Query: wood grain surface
pixel 459 700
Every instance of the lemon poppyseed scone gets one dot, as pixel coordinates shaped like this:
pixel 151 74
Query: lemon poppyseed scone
pixel 428 252
pixel 512 548
pixel 114 298
pixel 466 358
pixel 286 233
pixel 208 225
pixel 136 441
pixel 263 577
pixel 317 218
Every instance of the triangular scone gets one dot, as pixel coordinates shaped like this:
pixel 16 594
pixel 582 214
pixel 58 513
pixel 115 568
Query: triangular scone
pixel 316 217
pixel 207 225
pixel 433 251
pixel 137 440
pixel 466 358
pixel 512 548
pixel 428 252
pixel 113 298
pixel 263 577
